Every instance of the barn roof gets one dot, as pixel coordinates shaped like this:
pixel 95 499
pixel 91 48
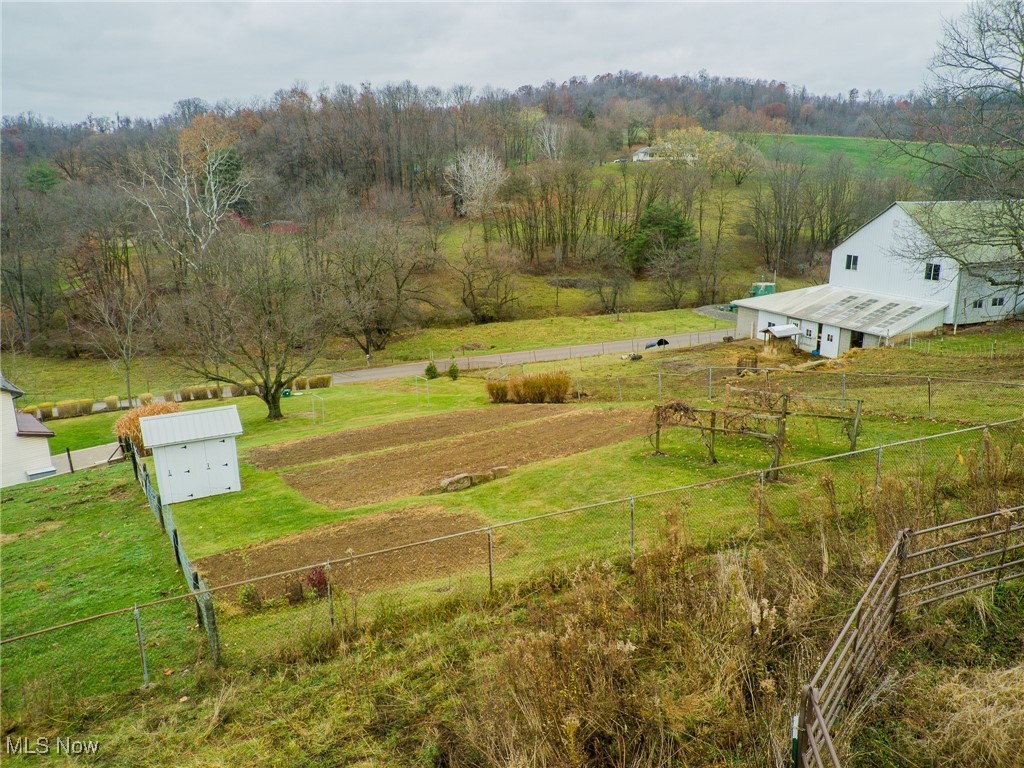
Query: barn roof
pixel 875 313
pixel 190 426
pixel 782 331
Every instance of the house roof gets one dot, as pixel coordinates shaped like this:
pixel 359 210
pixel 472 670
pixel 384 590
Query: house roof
pixel 6 386
pixel 875 313
pixel 190 426
pixel 30 426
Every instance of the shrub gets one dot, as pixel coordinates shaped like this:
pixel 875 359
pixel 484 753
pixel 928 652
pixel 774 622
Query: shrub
pixel 145 398
pixel 453 371
pixel 294 592
pixel 322 381
pixel 431 372
pixel 300 383
pixel 316 580
pixel 198 392
pixel 540 388
pixel 113 403
pixel 497 391
pixel 249 598
pixel 69 408
pixel 128 424
pixel 169 397
pixel 45 410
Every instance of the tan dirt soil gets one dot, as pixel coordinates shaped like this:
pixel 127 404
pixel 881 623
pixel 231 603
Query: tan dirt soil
pixel 417 469
pixel 394 434
pixel 370 533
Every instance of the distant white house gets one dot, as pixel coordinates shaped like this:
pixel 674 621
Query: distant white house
pixel 194 452
pixel 644 155
pixel 24 441
pixel 888 279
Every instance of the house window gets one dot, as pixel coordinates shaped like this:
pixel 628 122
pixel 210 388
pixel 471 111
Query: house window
pixel 808 333
pixel 978 303
pixel 829 336
pixel 851 262
pixel 931 271
pixel 771 324
pixel 998 301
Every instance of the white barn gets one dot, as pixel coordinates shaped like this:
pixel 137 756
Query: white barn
pixel 194 452
pixel 888 279
pixel 24 441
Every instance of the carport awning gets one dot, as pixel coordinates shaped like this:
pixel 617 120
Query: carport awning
pixel 876 313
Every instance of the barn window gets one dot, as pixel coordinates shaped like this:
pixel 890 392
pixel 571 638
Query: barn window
pixel 851 262
pixel 808 333
pixel 771 324
pixel 998 301
pixel 978 303
pixel 931 271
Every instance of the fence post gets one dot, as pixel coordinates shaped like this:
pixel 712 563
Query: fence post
pixel 194 586
pixel 160 513
pixel 579 391
pixel 174 543
pixel 618 383
pixel 212 633
pixel 843 386
pixel 490 560
pixel 330 595
pixel 659 385
pixel 709 382
pixel 760 500
pixel 878 470
pixel 1002 556
pixel 71 464
pixel 901 556
pixel 632 528
pixel 929 397
pixel 804 719
pixel 135 462
pixel 142 648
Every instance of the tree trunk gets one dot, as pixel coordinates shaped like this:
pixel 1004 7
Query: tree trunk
pixel 272 398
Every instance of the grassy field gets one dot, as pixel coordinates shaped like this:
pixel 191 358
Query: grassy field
pixel 117 555
pixel 869 156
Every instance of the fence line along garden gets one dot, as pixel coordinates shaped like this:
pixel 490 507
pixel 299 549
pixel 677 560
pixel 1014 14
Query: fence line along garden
pixel 275 616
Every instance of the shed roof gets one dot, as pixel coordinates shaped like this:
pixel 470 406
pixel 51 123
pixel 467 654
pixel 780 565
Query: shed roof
pixel 782 331
pixel 875 313
pixel 190 426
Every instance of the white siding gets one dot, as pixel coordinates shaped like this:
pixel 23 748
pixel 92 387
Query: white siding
pixel 830 348
pixel 18 455
pixel 746 323
pixel 977 289
pixel 844 341
pixel 881 268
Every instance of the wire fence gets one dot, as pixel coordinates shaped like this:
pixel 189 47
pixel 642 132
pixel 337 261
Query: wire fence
pixel 304 613
pixel 922 567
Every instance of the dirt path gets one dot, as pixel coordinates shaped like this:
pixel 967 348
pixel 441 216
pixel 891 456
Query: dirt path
pixel 416 469
pixel 365 534
pixel 394 434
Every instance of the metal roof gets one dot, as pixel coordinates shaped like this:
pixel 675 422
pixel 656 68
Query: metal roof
pixel 29 426
pixel 782 331
pixel 190 426
pixel 875 313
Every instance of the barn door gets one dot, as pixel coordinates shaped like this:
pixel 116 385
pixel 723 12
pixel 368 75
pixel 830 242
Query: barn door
pixel 181 474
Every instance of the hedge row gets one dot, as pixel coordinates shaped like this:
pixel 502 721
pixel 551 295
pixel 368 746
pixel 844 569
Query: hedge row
pixel 535 388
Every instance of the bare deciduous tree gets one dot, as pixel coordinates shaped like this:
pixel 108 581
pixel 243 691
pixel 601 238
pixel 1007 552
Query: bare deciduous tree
pixel 474 179
pixel 487 279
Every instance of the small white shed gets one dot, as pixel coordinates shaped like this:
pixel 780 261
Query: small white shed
pixel 194 452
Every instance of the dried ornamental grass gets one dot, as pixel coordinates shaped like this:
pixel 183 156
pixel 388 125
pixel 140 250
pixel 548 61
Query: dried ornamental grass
pixel 128 424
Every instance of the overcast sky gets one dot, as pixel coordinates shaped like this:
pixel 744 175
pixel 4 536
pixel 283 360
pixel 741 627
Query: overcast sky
pixel 67 60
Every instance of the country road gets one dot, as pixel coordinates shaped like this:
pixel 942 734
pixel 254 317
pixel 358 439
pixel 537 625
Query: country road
pixel 476 362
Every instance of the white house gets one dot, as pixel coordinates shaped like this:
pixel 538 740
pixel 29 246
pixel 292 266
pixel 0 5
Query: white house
pixel 888 279
pixel 194 452
pixel 24 443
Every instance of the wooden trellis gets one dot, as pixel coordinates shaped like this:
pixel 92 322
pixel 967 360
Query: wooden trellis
pixel 848 410
pixel 721 421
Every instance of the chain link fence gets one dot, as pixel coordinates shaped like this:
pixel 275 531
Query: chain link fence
pixel 306 613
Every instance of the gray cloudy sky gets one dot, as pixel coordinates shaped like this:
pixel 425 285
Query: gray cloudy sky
pixel 66 60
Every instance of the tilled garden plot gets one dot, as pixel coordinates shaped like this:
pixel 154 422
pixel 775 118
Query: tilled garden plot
pixel 417 469
pixel 407 432
pixel 371 533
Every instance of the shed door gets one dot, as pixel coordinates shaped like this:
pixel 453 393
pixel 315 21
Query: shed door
pixel 221 465
pixel 183 474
